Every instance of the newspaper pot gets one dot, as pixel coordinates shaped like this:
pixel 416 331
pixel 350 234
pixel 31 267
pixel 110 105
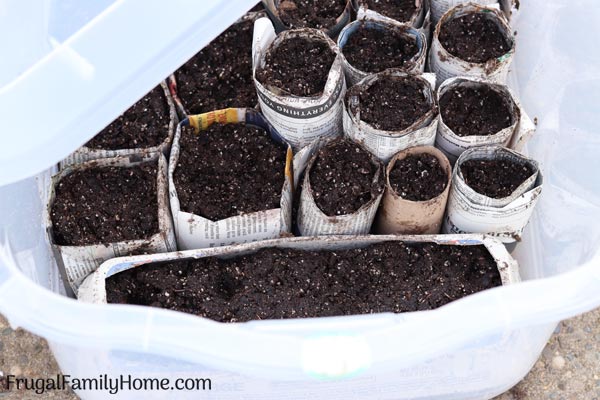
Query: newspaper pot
pixel 446 65
pixel 384 144
pixel 93 289
pixel 272 7
pixel 299 120
pixel 414 65
pixel 514 136
pixel 440 7
pixel 417 19
pixel 401 216
pixel 77 262
pixel 505 218
pixel 312 221
pixel 194 231
pixel 84 153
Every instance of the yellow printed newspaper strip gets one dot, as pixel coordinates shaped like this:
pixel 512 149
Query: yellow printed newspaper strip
pixel 289 162
pixel 201 122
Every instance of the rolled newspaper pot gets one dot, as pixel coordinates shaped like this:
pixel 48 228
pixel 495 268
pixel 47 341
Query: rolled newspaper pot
pixel 377 10
pixel 299 119
pixel 383 140
pixel 85 153
pixel 491 64
pixel 507 212
pixel 195 231
pixel 440 7
pixel 425 178
pixel 77 262
pixel 415 42
pixel 481 113
pixel 346 219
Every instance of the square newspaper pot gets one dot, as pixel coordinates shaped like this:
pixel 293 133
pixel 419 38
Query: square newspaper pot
pixel 93 290
pixel 194 231
pixel 84 153
pixel 77 262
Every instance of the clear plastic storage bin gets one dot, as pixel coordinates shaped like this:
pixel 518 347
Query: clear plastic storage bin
pixel 69 67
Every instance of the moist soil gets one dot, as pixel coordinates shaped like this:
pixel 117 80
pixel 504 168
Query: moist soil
pixel 474 38
pixel 418 177
pixel 229 170
pixel 220 75
pixel 495 178
pixel 471 111
pixel 344 177
pixel 286 283
pixel 400 10
pixel 375 50
pixel 299 66
pixel 145 124
pixel 319 14
pixel 393 104
pixel 105 205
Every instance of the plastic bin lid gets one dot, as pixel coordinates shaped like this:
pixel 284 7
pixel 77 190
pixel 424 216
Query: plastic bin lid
pixel 70 67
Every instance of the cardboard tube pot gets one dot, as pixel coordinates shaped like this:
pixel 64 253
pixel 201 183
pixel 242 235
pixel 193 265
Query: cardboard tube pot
pixel 514 136
pixel 194 231
pixel 85 153
pixel 446 65
pixel 415 65
pixel 299 120
pixel 400 216
pixel 312 221
pixel 417 19
pixel 77 262
pixel 471 212
pixel 382 143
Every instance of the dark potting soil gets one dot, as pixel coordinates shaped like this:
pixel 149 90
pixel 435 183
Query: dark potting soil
pixel 474 38
pixel 393 104
pixel 220 75
pixel 105 205
pixel 495 178
pixel 229 170
pixel 298 66
pixel 375 50
pixel 472 111
pixel 145 124
pixel 318 14
pixel 344 177
pixel 400 10
pixel 286 283
pixel 418 177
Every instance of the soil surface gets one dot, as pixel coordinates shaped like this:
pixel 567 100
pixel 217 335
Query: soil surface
pixel 495 178
pixel 229 170
pixel 418 177
pixel 375 50
pixel 393 104
pixel 145 124
pixel 299 66
pixel 220 75
pixel 106 205
pixel 344 177
pixel 471 111
pixel 400 10
pixel 319 14
pixel 285 283
pixel 474 38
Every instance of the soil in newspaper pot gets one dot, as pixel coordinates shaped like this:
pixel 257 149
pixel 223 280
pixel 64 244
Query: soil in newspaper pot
pixel 369 47
pixel 440 7
pixel 391 111
pixel 230 179
pixel 342 188
pixel 494 191
pixel 337 276
pixel 407 12
pixel 330 16
pixel 472 41
pixel 416 192
pixel 475 112
pixel 145 128
pixel 300 84
pixel 108 208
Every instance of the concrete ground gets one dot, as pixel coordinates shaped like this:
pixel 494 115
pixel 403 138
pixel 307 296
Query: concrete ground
pixel 569 368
